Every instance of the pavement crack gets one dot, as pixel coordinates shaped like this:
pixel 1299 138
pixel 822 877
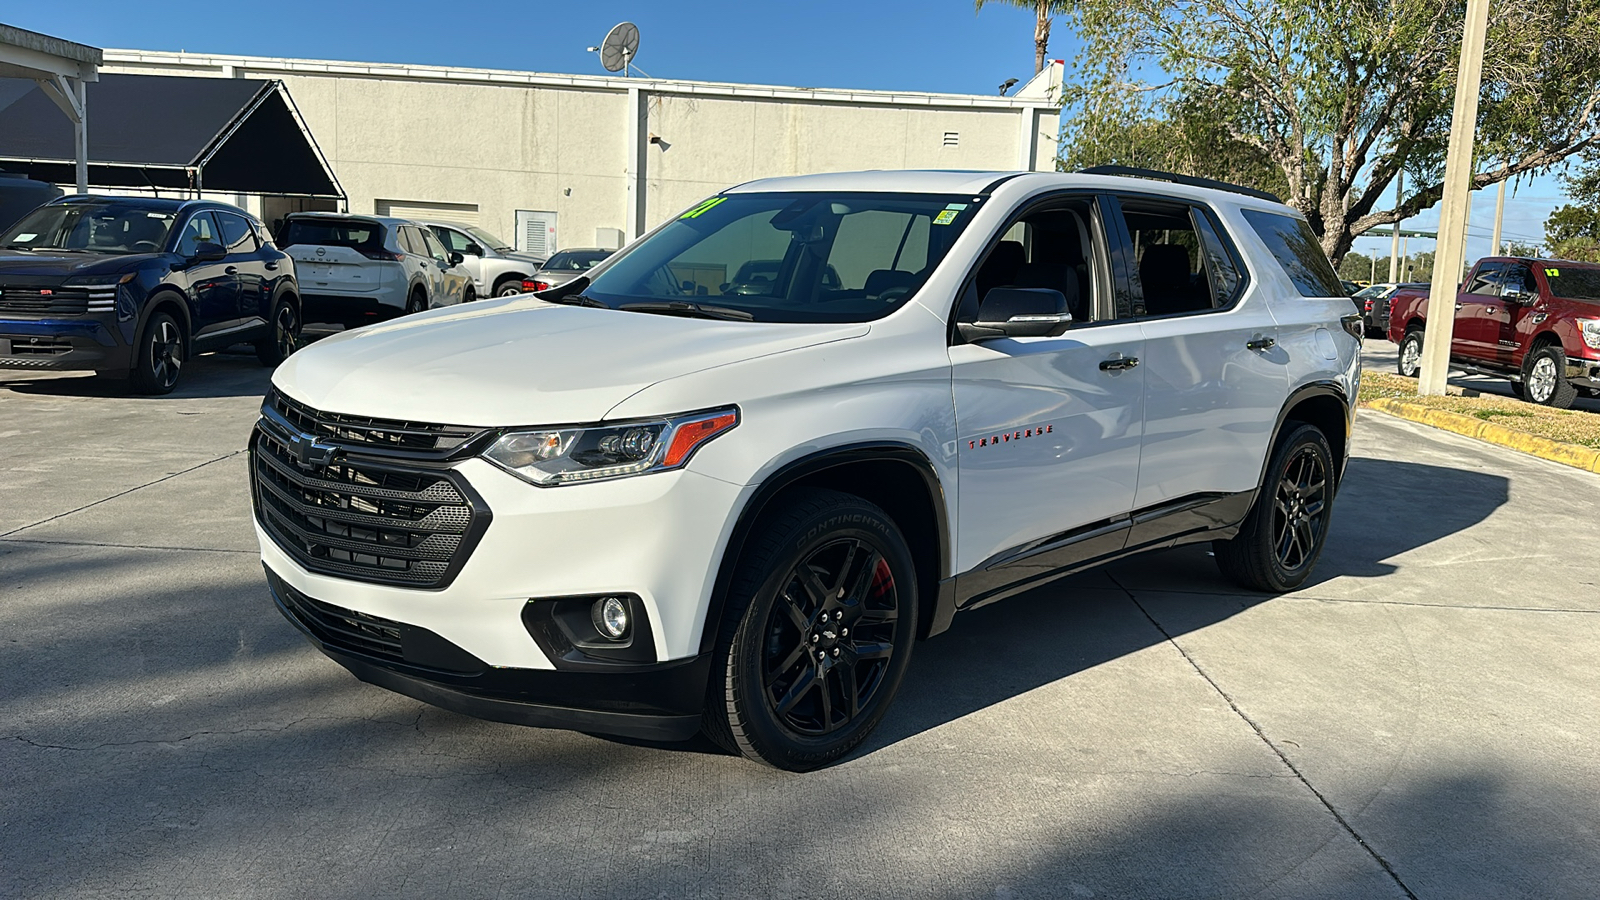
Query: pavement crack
pixel 12 540
pixel 1260 734
pixel 125 493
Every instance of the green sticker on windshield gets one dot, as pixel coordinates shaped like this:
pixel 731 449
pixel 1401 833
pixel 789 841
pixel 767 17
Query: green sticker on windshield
pixel 1552 273
pixel 702 207
pixel 945 217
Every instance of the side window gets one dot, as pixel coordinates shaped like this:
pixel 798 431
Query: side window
pixel 432 246
pixel 1051 247
pixel 1486 279
pixel 1291 243
pixel 452 239
pixel 1168 259
pixel 1519 279
pixel 236 233
pixel 200 229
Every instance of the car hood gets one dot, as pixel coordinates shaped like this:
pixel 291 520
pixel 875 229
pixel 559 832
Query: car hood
pixel 521 361
pixel 43 263
pixel 521 257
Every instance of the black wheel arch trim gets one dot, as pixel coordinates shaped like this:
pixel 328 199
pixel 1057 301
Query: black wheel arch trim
pixel 1321 388
pixel 811 464
pixel 162 298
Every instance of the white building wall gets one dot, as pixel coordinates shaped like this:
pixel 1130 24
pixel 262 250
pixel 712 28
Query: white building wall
pixel 513 140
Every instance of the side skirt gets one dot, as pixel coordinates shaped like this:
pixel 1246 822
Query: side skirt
pixel 1189 520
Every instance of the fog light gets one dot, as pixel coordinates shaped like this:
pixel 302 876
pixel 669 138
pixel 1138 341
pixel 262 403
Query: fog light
pixel 610 615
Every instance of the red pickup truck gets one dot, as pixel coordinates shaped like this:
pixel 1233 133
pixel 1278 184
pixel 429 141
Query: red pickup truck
pixel 1534 321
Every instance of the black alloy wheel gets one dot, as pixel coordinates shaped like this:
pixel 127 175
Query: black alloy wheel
pixel 159 355
pixel 821 619
pixel 1280 541
pixel 285 337
pixel 417 302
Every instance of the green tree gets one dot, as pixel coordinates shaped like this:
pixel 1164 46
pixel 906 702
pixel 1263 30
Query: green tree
pixel 1573 231
pixel 1044 11
pixel 1518 248
pixel 1359 267
pixel 1325 101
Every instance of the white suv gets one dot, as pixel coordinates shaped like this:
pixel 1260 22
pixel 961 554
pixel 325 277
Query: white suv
pixel 641 504
pixel 358 269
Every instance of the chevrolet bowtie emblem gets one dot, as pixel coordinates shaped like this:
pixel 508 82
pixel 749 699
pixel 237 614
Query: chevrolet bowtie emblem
pixel 308 452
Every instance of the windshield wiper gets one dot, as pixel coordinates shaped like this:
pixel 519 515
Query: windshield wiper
pixel 690 310
pixel 580 300
pixel 18 247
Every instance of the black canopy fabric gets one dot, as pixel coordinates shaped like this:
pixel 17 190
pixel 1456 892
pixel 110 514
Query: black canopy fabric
pixel 168 131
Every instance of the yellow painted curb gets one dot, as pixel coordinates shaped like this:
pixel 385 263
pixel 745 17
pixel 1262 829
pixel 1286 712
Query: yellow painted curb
pixel 1556 451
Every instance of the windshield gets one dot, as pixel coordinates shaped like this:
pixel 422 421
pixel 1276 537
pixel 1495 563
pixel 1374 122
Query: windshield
pixel 792 257
pixel 1573 282
pixel 353 233
pixel 488 240
pixel 114 228
pixel 575 260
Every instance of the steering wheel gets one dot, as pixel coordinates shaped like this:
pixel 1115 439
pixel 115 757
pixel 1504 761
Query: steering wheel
pixel 145 247
pixel 894 293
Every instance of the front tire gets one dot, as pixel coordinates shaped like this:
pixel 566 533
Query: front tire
pixel 1544 378
pixel 285 338
pixel 1282 538
pixel 511 287
pixel 821 617
pixel 159 355
pixel 1410 360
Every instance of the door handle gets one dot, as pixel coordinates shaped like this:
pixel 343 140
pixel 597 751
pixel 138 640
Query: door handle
pixel 1118 363
pixel 1261 343
pixel 1458 307
pixel 232 270
pixel 272 265
pixel 1489 310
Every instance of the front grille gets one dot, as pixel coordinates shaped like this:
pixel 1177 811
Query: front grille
pixel 43 301
pixel 342 628
pixel 40 346
pixel 386 434
pixel 369 520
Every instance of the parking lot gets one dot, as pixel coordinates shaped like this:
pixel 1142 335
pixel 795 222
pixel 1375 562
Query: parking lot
pixel 1419 720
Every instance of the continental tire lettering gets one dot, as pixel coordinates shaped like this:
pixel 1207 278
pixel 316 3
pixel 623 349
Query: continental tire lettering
pixel 826 525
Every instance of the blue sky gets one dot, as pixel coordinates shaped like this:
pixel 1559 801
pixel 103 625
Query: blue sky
pixel 941 46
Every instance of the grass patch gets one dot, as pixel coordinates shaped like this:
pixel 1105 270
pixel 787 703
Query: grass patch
pixel 1572 426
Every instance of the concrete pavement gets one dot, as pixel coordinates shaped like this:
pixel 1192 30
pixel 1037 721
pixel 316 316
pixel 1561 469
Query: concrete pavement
pixel 1420 720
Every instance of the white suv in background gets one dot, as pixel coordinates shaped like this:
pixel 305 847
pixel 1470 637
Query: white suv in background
pixel 360 269
pixel 639 504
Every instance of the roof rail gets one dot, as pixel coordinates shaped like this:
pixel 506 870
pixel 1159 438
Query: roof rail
pixel 1173 177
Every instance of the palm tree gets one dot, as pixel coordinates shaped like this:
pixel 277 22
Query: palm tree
pixel 1044 11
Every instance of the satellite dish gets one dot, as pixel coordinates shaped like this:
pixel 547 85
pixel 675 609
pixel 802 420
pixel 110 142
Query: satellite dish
pixel 620 47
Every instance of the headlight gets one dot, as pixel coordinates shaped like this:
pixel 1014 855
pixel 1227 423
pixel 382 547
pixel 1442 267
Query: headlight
pixel 1590 329
pixel 556 456
pixel 97 281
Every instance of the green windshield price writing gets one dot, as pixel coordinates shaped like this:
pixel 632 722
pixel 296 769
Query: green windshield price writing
pixel 702 207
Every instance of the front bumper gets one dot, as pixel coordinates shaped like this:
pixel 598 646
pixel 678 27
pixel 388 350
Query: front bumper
pixel 79 342
pixel 660 702
pixel 1584 373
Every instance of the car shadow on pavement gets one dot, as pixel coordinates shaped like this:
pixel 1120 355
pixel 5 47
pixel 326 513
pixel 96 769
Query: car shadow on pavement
pixel 226 373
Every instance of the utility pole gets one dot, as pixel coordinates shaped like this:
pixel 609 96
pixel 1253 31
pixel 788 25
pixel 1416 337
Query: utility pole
pixel 1499 214
pixel 1435 371
pixel 1394 244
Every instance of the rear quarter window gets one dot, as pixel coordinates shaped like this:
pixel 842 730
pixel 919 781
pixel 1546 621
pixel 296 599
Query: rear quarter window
pixel 1297 251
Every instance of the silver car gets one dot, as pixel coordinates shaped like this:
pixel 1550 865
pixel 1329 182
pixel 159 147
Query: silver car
pixel 359 269
pixel 565 265
pixel 497 269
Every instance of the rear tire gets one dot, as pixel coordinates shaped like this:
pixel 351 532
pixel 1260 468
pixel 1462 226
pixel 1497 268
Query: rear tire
pixel 1544 376
pixel 417 302
pixel 1410 359
pixel 818 629
pixel 1282 538
pixel 158 355
pixel 285 337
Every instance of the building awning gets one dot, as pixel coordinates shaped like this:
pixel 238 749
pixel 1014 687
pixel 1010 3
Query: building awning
pixel 170 132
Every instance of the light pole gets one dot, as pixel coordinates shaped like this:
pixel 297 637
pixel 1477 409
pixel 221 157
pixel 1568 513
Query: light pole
pixel 1451 248
pixel 1394 243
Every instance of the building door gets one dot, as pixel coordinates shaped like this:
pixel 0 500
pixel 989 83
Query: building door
pixel 536 233
pixel 419 211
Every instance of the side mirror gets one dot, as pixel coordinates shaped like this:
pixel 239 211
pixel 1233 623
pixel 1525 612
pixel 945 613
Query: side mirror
pixel 1018 312
pixel 456 257
pixel 474 250
pixel 205 251
pixel 1519 298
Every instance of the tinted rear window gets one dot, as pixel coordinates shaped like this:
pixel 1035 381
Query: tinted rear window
pixel 576 260
pixel 1573 282
pixel 332 233
pixel 1294 246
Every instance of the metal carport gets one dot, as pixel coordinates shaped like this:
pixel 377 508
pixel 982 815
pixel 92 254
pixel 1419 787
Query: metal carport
pixel 168 132
pixel 62 71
